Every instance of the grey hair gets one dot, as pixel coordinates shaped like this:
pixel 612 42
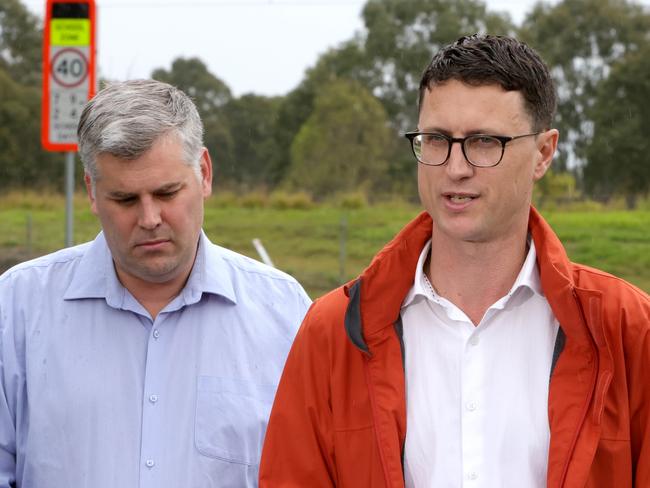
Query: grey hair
pixel 126 118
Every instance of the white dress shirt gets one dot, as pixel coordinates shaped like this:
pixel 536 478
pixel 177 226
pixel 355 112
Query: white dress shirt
pixel 477 396
pixel 97 394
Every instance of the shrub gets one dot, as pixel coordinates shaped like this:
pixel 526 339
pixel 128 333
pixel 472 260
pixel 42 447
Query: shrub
pixel 33 200
pixel 352 200
pixel 223 199
pixel 254 199
pixel 297 200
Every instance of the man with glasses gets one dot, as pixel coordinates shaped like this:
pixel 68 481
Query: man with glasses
pixel 471 352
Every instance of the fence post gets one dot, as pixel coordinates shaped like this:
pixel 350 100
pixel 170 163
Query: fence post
pixel 259 247
pixel 343 236
pixel 28 233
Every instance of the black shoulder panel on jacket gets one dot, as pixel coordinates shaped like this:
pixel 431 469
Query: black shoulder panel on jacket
pixel 399 330
pixel 557 350
pixel 353 318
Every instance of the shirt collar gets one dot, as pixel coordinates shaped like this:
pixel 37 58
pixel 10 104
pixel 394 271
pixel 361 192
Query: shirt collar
pixel 210 274
pixel 95 276
pixel 529 274
pixel 528 277
pixel 419 285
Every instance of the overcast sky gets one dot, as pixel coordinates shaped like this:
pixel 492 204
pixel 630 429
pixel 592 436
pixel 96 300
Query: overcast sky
pixel 260 46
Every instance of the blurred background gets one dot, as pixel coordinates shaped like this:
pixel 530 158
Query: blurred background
pixel 304 106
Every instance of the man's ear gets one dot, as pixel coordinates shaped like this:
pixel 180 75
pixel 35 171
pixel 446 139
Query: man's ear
pixel 546 147
pixel 206 173
pixel 91 193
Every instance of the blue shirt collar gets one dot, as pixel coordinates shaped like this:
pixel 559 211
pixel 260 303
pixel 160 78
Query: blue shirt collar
pixel 209 274
pixel 95 276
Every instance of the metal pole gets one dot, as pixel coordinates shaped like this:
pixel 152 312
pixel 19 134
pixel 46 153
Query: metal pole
pixel 343 236
pixel 69 194
pixel 261 250
pixel 29 233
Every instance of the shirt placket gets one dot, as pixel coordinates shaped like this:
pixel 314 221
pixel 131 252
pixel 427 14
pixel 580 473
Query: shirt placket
pixel 472 411
pixel 152 400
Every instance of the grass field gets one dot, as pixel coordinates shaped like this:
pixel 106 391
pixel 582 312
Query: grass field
pixel 306 243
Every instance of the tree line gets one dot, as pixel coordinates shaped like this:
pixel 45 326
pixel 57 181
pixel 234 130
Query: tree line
pixel 340 129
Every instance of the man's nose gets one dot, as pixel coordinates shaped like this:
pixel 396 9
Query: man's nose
pixel 457 165
pixel 149 217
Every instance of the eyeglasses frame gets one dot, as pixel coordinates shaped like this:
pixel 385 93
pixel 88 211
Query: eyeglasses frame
pixel 461 140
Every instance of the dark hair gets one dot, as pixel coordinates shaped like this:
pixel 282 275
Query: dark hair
pixel 485 60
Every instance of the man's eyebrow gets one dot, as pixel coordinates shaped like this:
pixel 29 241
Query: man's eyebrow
pixel 169 187
pixel 121 195
pixel 432 129
pixel 446 132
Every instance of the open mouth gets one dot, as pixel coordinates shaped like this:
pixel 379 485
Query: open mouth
pixel 460 198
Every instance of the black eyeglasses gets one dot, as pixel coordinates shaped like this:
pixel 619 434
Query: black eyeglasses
pixel 480 150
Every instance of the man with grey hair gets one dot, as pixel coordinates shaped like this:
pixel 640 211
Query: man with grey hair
pixel 148 357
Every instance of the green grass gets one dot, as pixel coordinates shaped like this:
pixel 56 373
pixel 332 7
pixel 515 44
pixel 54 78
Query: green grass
pixel 616 242
pixel 306 242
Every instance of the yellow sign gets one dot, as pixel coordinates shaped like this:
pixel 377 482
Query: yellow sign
pixel 70 32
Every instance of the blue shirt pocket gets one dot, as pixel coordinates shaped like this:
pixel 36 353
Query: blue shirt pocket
pixel 231 418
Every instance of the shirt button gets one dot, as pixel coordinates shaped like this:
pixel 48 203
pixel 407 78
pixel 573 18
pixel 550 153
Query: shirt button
pixel 474 340
pixel 471 406
pixel 156 333
pixel 153 398
pixel 150 463
pixel 472 475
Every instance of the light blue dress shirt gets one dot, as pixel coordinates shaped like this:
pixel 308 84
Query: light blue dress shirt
pixel 97 394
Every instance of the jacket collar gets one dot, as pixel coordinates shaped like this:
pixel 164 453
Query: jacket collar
pixel 378 293
pixel 381 288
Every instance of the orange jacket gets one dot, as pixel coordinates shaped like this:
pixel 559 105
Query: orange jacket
pixel 339 417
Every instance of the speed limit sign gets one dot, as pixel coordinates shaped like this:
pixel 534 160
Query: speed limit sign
pixel 69 79
pixel 69 67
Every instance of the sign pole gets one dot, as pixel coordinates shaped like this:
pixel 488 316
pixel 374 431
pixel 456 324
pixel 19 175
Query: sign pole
pixel 69 199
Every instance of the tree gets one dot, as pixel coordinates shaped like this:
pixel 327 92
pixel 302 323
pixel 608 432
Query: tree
pixel 344 143
pixel 22 160
pixel 387 58
pixel 343 62
pixel 251 119
pixel 401 37
pixel 20 43
pixel 580 39
pixel 618 153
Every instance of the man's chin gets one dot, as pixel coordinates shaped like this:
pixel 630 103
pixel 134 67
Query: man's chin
pixel 465 232
pixel 158 274
pixel 153 270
